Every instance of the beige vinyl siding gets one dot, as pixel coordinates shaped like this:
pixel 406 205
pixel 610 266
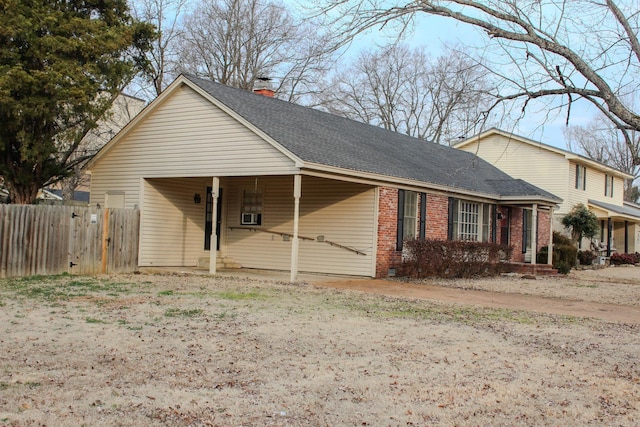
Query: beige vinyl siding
pixel 594 188
pixel 185 136
pixel 172 230
pixel 536 165
pixel 341 212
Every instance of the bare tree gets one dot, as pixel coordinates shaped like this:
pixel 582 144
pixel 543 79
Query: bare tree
pixel 165 16
pixel 573 49
pixel 602 142
pixel 122 109
pixel 235 42
pixel 404 90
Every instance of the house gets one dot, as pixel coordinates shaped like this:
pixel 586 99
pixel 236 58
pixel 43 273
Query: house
pixel 572 177
pixel 233 177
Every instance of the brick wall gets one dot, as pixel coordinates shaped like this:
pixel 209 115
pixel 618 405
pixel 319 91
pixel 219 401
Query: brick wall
pixel 387 256
pixel 543 230
pixel 515 238
pixel 437 217
pixel 436 226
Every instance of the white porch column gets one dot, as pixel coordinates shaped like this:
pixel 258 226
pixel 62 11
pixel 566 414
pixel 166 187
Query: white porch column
pixel 213 247
pixel 534 234
pixel 550 254
pixel 297 191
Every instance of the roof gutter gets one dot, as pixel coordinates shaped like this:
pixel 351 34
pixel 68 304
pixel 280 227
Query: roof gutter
pixel 369 178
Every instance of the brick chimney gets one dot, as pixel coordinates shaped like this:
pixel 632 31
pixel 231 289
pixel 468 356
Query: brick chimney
pixel 263 86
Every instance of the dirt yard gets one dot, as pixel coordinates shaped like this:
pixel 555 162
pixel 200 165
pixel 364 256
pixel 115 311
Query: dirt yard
pixel 190 350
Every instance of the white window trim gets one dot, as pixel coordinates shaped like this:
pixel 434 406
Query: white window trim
pixel 410 219
pixel 475 231
pixel 608 185
pixel 581 178
pixel 251 216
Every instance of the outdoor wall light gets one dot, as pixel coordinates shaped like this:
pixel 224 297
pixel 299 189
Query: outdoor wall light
pixel 197 199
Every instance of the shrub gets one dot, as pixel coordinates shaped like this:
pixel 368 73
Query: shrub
pixel 620 259
pixel 581 222
pixel 561 239
pixel 564 254
pixel 453 259
pixel 587 257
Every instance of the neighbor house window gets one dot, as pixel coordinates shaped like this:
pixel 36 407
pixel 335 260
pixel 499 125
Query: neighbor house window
pixel 581 177
pixel 468 220
pixel 608 185
pixel 251 210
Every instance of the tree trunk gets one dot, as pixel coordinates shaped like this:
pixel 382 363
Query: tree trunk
pixel 26 194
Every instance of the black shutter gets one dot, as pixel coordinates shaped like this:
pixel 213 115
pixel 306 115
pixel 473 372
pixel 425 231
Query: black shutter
pixel 450 220
pixel 423 215
pixel 525 231
pixel 400 230
pixel 577 176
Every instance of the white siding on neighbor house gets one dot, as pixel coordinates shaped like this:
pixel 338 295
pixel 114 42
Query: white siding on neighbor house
pixel 172 226
pixel 594 188
pixel 342 212
pixel 185 136
pixel 536 165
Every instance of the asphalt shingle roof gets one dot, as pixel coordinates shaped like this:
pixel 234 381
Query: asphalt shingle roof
pixel 624 210
pixel 318 137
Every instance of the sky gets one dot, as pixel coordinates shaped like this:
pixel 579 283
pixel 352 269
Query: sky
pixel 436 33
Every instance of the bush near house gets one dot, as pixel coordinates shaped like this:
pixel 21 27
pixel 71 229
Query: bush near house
pixel 453 259
pixel 587 257
pixel 620 259
pixel 564 253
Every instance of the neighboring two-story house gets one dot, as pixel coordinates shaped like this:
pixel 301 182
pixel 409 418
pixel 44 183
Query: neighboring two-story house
pixel 572 177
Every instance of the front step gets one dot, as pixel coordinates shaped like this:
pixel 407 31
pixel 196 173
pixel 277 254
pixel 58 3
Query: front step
pixel 221 262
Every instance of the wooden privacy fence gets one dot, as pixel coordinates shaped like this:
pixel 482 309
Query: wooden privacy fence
pixel 36 239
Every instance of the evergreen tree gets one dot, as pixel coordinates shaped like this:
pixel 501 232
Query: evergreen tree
pixel 62 62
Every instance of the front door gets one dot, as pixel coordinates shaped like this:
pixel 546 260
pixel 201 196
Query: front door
pixel 208 222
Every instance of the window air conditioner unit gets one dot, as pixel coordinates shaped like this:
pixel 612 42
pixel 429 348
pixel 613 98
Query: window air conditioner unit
pixel 249 219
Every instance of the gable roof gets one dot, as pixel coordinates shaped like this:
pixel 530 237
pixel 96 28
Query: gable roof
pixel 569 155
pixel 319 138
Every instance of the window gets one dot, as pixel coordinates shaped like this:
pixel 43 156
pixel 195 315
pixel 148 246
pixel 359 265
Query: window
pixel 581 177
pixel 251 210
pixel 468 220
pixel 409 218
pixel 608 186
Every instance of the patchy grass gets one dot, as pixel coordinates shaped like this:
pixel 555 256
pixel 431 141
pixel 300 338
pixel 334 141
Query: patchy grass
pixel 240 296
pixel 176 312
pixel 64 287
pixel 192 350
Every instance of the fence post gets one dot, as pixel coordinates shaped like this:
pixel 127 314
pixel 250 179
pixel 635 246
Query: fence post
pixel 105 240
